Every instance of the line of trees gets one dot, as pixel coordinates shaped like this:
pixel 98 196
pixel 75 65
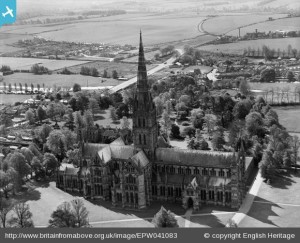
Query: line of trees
pixel 269 53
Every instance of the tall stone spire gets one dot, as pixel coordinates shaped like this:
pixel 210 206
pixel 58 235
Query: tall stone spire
pixel 142 80
pixel 145 128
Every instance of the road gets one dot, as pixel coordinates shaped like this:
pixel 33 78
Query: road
pixel 132 81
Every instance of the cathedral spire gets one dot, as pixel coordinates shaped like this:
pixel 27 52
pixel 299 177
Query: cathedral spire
pixel 145 129
pixel 142 80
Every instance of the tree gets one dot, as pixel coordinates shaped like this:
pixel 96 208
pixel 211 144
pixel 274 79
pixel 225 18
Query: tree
pixel 22 218
pixel 115 74
pixel 94 72
pixel 267 165
pixel 290 76
pixel 88 119
pixel 41 113
pixel 18 162
pixel 189 131
pixel 5 209
pixel 197 119
pixel 36 69
pixel 210 122
pixel 29 116
pixel 175 131
pixel 218 140
pixel 70 215
pixel 5 68
pixel 164 219
pixel 165 123
pixel 105 75
pixel 113 114
pixel 7 179
pixel 122 110
pixel 295 145
pixel 27 154
pixel 55 110
pixel 159 105
pixel 73 157
pixel 85 71
pixel 255 124
pixel 267 75
pixel 50 163
pixel 54 142
pixel 76 88
pixel 245 87
pixel 37 167
pixel 82 101
pixel 125 124
pixel 5 120
pixel 69 139
pixel 94 106
pixel 80 213
pixel 43 133
pixel 242 109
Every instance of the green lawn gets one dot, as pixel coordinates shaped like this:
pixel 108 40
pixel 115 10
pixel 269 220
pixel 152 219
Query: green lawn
pixel 43 199
pixel 276 205
pixel 289 117
pixel 56 79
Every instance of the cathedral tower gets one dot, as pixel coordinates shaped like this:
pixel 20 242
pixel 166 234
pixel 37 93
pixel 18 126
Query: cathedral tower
pixel 145 129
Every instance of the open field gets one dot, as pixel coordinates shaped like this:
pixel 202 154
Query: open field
pixel 156 29
pixel 287 24
pixel 119 29
pixel 276 205
pixel 12 99
pixel 289 117
pixel 223 24
pixel 27 63
pixel 148 56
pixel 239 47
pixel 124 69
pixel 268 86
pixel 58 80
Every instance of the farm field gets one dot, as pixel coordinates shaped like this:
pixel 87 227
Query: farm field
pixel 58 80
pixel 12 99
pixel 27 63
pixel 289 117
pixel 223 24
pixel 148 56
pixel 156 29
pixel 239 47
pixel 287 24
pixel 124 69
pixel 268 86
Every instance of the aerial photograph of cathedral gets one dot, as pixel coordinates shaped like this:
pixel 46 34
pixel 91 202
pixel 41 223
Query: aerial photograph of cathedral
pixel 150 114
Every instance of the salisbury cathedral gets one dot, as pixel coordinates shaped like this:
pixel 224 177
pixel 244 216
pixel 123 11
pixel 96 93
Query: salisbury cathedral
pixel 133 176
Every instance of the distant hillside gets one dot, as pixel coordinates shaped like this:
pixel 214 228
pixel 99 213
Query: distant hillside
pixel 158 5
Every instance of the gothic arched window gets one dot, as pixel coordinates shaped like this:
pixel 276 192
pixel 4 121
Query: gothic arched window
pixel 145 142
pixel 140 138
pixel 139 122
pixel 144 123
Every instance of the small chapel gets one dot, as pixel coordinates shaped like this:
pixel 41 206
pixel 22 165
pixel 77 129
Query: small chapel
pixel 134 176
